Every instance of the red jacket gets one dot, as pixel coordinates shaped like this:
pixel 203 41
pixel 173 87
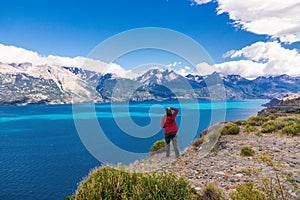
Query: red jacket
pixel 170 125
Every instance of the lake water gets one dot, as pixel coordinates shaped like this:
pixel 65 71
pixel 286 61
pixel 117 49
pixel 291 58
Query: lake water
pixel 44 153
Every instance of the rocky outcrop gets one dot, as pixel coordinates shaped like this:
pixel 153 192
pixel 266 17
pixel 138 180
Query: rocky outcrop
pixel 288 104
pixel 225 167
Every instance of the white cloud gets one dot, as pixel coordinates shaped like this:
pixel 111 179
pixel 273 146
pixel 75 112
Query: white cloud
pixel 178 67
pixel 200 2
pixel 12 54
pixel 228 53
pixel 278 19
pixel 262 58
pixel 204 69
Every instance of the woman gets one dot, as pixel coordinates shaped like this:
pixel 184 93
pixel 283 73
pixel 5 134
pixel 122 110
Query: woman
pixel 170 126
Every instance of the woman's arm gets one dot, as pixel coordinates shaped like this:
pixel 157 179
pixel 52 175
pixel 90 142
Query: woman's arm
pixel 175 112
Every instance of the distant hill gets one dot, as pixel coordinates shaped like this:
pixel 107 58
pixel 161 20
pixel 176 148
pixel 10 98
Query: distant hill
pixel 281 106
pixel 22 84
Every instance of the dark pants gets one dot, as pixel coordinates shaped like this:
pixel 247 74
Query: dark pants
pixel 168 138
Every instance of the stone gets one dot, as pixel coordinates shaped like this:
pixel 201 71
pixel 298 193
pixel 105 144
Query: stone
pixel 239 175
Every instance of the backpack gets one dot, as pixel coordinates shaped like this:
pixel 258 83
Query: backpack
pixel 163 121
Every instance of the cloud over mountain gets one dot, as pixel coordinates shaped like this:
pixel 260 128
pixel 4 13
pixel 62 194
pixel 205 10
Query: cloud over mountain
pixel 262 59
pixel 12 54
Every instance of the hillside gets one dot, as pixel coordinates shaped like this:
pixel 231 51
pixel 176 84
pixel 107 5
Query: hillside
pixel 257 158
pixel 225 166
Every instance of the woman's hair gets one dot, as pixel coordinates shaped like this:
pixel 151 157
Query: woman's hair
pixel 169 112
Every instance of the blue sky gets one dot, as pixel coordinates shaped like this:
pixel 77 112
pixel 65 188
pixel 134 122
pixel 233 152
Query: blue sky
pixel 74 28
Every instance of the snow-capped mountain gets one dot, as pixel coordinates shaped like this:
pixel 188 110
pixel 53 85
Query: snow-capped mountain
pixel 196 78
pixel 26 83
pixel 158 76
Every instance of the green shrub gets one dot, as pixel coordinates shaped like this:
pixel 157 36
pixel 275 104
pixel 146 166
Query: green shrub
pixel 256 120
pixel 109 183
pixel 271 117
pixel 247 151
pixel 249 171
pixel 211 192
pixel 247 192
pixel 265 157
pixel 158 145
pixel 250 129
pixel 279 124
pixel 240 122
pixel 292 130
pixel 291 118
pixel 268 127
pixel 230 129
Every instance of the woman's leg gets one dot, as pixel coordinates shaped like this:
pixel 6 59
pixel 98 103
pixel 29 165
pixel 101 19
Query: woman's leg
pixel 175 145
pixel 167 139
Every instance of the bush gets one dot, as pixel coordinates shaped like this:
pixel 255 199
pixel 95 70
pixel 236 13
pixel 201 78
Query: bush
pixel 230 129
pixel 247 151
pixel 109 183
pixel 249 171
pixel 292 130
pixel 211 192
pixel 265 157
pixel 247 192
pixel 250 129
pixel 158 145
pixel 256 121
pixel 240 122
pixel 268 127
pixel 271 117
pixel 279 124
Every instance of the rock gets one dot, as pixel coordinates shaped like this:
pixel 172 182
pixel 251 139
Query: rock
pixel 298 193
pixel 220 173
pixel 223 185
pixel 239 175
pixel 197 188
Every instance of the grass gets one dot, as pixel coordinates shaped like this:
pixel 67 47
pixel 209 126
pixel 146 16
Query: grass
pixel 211 192
pixel 249 171
pixel 256 120
pixel 247 191
pixel 250 129
pixel 291 130
pixel 265 157
pixel 268 127
pixel 286 125
pixel 240 122
pixel 230 128
pixel 110 183
pixel 247 151
pixel 158 145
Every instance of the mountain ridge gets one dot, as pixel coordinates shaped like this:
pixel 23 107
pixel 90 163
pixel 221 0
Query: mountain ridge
pixel 25 83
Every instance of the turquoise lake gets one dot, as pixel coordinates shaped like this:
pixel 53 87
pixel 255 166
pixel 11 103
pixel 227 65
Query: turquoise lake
pixel 46 150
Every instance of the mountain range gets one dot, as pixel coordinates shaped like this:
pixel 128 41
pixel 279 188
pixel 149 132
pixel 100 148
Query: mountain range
pixel 25 83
